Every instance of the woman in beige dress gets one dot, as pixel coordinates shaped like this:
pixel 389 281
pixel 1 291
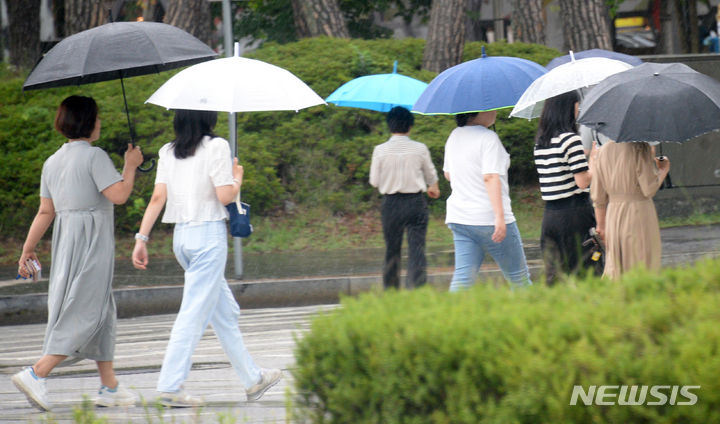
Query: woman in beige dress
pixel 625 178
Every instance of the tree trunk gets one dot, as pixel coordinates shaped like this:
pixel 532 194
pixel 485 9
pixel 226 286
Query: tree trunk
pixel 528 21
pixel 586 24
pixel 24 32
pixel 319 17
pixel 446 35
pixel 192 16
pixel 473 27
pixel 152 11
pixel 667 41
pixel 693 24
pixel 85 14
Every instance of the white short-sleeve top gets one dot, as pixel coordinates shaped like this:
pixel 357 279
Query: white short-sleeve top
pixel 471 152
pixel 191 182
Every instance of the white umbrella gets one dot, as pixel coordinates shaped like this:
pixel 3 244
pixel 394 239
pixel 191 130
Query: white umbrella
pixel 235 84
pixel 567 77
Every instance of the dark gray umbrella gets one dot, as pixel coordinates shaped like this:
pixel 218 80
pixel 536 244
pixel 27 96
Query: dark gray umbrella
pixel 653 102
pixel 117 50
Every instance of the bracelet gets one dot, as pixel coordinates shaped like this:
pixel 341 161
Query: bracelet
pixel 142 237
pixel 235 180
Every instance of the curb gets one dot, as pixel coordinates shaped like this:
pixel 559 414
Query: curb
pixel 133 302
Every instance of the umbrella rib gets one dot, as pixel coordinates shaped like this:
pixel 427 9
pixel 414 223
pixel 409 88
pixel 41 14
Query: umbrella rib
pixel 85 62
pixel 154 47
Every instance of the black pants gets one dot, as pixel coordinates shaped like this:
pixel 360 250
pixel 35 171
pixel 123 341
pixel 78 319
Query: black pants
pixel 566 224
pixel 399 212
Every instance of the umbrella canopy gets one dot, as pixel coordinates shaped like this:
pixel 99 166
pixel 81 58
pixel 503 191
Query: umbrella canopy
pixel 486 83
pixel 567 77
pixel 653 102
pixel 631 60
pixel 379 92
pixel 117 50
pixel 235 84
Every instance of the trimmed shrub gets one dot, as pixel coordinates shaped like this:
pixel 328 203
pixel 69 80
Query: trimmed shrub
pixel 318 157
pixel 498 356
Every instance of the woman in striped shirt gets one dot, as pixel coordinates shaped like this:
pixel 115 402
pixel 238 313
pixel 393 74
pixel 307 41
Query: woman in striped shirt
pixel 564 179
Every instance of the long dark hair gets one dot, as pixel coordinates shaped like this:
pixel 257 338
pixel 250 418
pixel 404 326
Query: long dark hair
pixel 190 128
pixel 558 116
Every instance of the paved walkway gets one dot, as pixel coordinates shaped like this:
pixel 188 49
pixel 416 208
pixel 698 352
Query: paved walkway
pixel 268 333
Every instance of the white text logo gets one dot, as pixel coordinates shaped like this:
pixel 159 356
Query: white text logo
pixel 634 395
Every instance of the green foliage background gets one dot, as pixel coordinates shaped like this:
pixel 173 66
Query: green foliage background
pixel 492 355
pixel 318 157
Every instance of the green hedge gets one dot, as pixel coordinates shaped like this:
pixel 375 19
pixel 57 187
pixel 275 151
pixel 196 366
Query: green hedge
pixel 497 356
pixel 319 156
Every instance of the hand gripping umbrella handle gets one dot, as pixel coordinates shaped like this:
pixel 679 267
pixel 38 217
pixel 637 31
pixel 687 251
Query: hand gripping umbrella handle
pixel 132 133
pixel 148 168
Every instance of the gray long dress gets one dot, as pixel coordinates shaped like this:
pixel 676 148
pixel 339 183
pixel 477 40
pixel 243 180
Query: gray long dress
pixel 81 307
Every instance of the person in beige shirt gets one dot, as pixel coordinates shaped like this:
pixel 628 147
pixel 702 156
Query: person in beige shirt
pixel 402 170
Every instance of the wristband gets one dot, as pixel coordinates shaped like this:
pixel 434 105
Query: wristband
pixel 142 237
pixel 235 180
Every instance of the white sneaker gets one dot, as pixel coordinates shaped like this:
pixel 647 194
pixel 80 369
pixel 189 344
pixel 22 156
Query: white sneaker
pixel 180 399
pixel 119 396
pixel 33 387
pixel 268 378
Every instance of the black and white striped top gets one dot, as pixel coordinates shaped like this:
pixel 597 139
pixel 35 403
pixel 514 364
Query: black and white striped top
pixel 557 164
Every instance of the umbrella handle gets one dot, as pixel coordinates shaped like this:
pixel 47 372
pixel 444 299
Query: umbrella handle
pixel 148 168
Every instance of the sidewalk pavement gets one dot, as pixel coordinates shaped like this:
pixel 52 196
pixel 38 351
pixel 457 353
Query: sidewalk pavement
pixel 269 335
pixel 680 245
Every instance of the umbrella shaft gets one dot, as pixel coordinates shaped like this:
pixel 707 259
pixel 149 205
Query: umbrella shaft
pixel 127 112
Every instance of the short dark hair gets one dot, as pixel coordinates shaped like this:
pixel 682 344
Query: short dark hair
pixel 399 120
pixel 557 117
pixel 190 128
pixel 76 117
pixel 461 119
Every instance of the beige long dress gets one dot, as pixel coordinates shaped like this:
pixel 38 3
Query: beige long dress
pixel 625 179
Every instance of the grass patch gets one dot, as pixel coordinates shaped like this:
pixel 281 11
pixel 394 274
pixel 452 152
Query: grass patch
pixel 317 230
pixel 320 230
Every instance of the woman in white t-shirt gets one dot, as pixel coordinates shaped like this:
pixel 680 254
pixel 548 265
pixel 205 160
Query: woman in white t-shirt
pixel 478 209
pixel 195 179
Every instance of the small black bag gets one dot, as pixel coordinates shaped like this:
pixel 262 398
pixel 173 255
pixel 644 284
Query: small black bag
pixel 239 218
pixel 593 254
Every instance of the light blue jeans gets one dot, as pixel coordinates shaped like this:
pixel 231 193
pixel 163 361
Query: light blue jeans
pixel 472 242
pixel 201 249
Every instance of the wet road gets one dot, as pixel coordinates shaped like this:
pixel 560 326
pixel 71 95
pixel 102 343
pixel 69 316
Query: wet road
pixel 680 245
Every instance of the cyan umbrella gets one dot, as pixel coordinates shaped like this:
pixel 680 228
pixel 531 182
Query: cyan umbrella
pixel 631 60
pixel 379 92
pixel 483 84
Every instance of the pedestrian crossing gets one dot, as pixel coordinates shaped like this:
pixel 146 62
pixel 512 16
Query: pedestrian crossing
pixel 140 345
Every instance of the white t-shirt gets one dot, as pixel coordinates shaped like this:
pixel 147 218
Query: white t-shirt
pixel 471 152
pixel 191 182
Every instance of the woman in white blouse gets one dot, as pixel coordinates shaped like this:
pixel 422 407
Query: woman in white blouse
pixel 195 179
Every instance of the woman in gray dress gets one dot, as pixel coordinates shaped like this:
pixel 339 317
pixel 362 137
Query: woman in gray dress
pixel 78 187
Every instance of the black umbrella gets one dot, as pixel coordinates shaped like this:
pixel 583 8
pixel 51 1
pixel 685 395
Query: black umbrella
pixel 117 50
pixel 653 102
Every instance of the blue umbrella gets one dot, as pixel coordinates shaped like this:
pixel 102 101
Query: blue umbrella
pixel 487 83
pixel 632 60
pixel 379 92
